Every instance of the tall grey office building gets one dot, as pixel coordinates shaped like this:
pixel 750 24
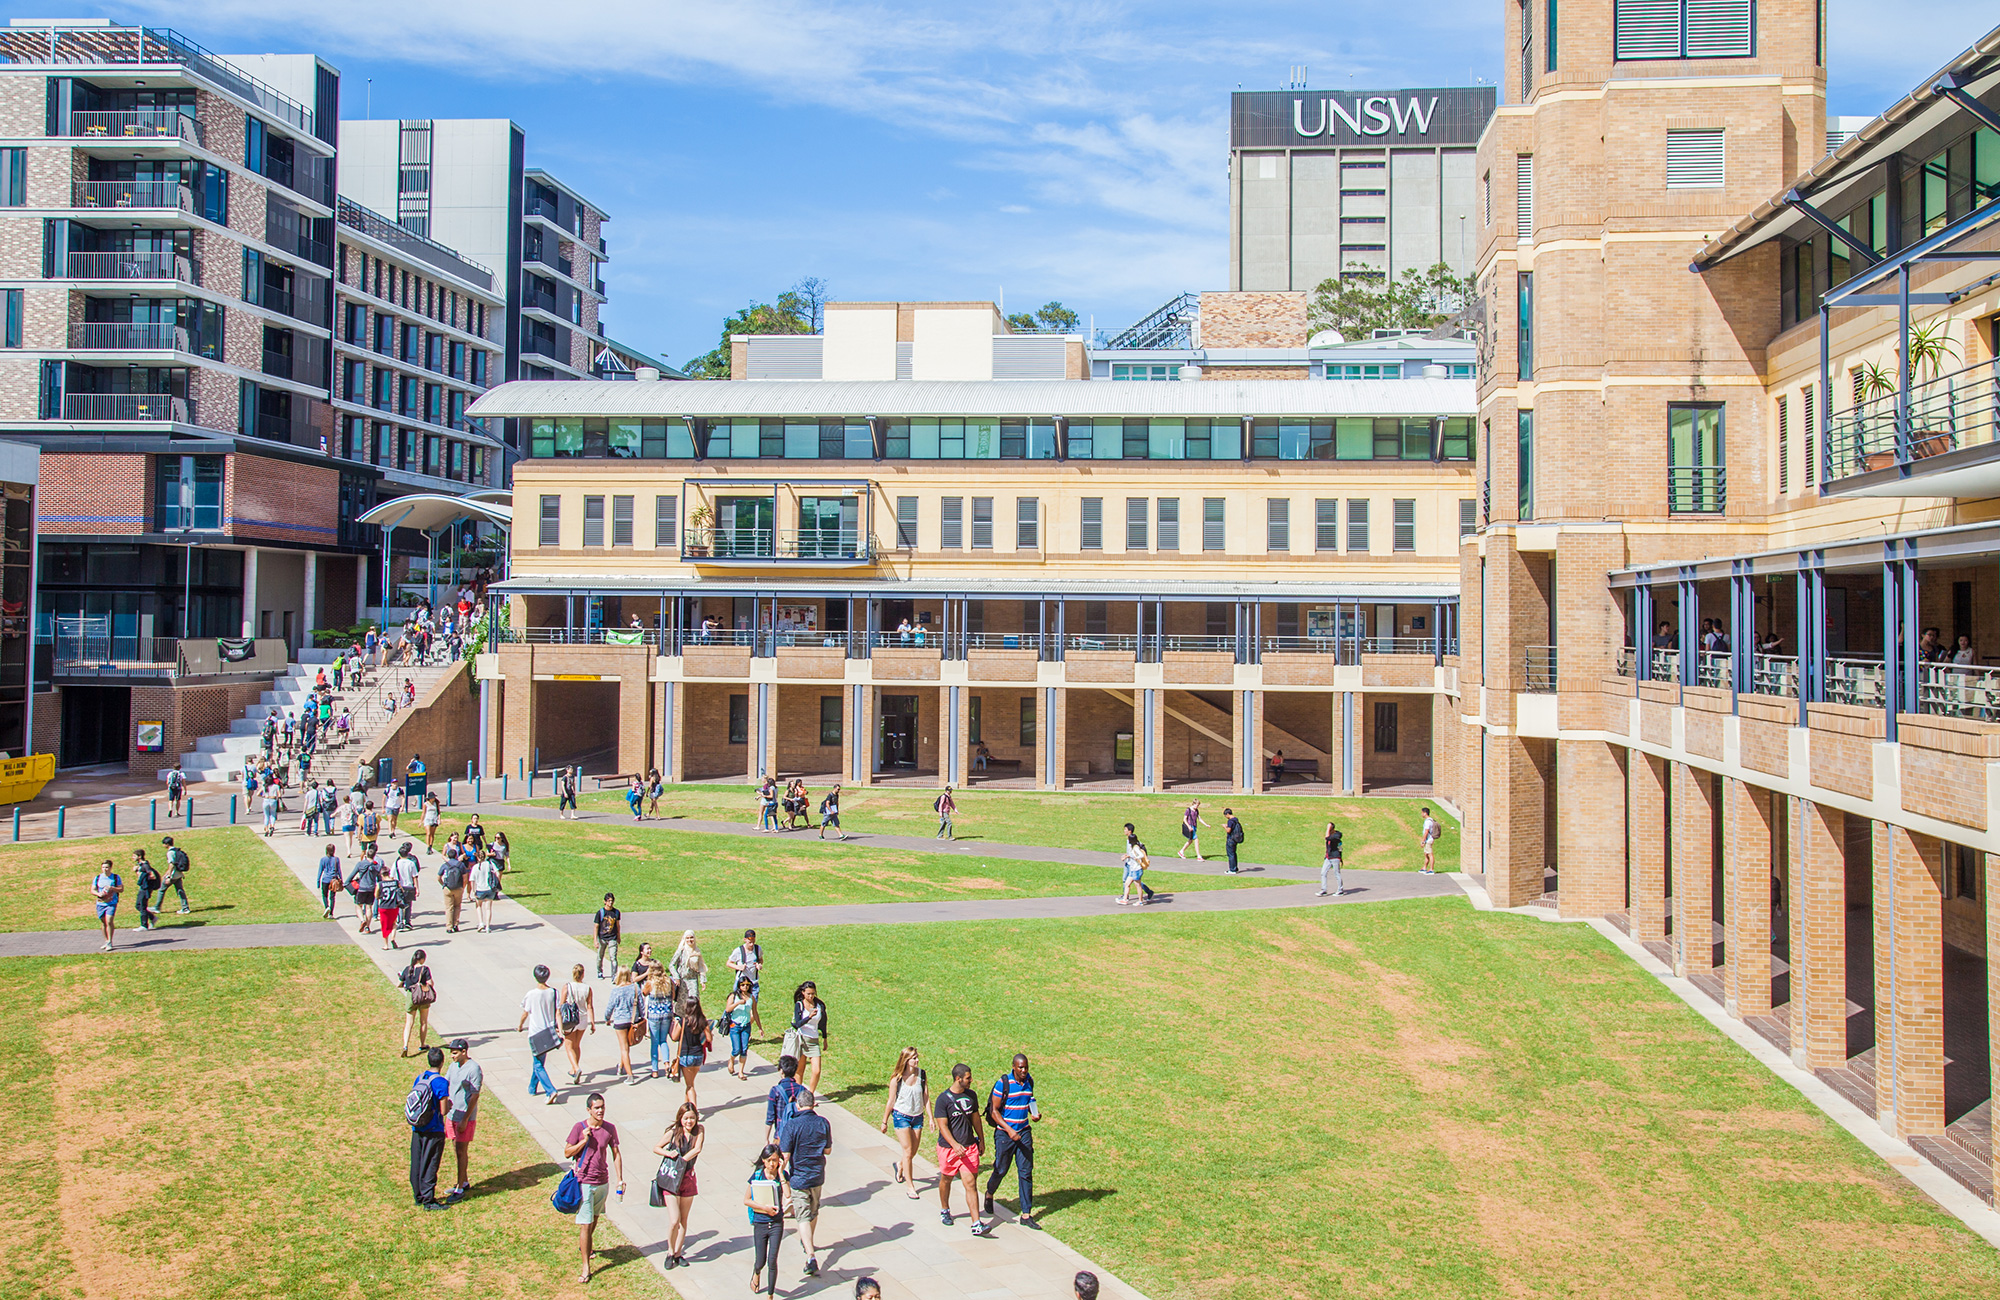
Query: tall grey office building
pixel 1323 181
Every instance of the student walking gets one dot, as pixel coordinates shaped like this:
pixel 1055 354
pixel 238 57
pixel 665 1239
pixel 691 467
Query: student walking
pixel 147 877
pixel 1232 837
pixel 105 887
pixel 270 811
pixel 1085 1285
pixel 607 923
pixel 538 1022
pixel 658 1004
pixel 806 1139
pixel 329 880
pixel 781 1102
pixel 466 1081
pixel 389 900
pixel 674 1182
pixel 451 880
pixel 566 793
pixel 945 806
pixel 767 806
pixel 1011 1109
pixel 1191 824
pixel 829 812
pixel 427 1115
pixel 1331 861
pixel 577 1013
pixel 909 1101
pixel 433 814
pixel 177 869
pixel 654 789
pixel 593 1144
pixel 959 1145
pixel 409 877
pixel 485 889
pixel 176 790
pixel 635 799
pixel 419 993
pixel 736 1013
pixel 364 882
pixel 747 959
pixel 1136 862
pixel 810 1033
pixel 392 803
pixel 1429 834
pixel 621 1012
pixel 694 1039
pixel 767 1201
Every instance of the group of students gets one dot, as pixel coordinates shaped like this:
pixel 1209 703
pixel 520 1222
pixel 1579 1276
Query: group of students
pixel 791 811
pixel 385 893
pixel 107 889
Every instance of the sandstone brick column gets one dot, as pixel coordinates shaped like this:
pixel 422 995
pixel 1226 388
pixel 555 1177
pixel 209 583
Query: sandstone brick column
pixel 1993 976
pixel 1043 719
pixel 635 714
pixel 1054 733
pixel 1336 745
pixel 867 702
pixel 1694 871
pixel 1590 828
pixel 1247 757
pixel 673 748
pixel 954 732
pixel 1517 777
pixel 1909 1094
pixel 1819 935
pixel 1139 773
pixel 1472 794
pixel 1746 910
pixel 1356 703
pixel 762 752
pixel 1646 844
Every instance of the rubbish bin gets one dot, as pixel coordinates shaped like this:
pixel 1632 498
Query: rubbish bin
pixel 385 770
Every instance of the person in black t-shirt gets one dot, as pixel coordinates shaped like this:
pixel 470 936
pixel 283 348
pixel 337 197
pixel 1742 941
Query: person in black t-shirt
pixel 959 1141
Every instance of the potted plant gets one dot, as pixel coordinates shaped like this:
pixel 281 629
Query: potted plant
pixel 700 520
pixel 1930 347
pixel 1877 381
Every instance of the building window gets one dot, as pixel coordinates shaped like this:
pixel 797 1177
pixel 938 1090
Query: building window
pixel 13 178
pixel 1468 517
pixel 1403 512
pixel 739 719
pixel 906 523
pixel 1121 370
pixel 1365 370
pixel 188 494
pixel 1694 160
pixel 551 534
pixel 1167 536
pixel 1326 524
pixel 1096 617
pixel 593 521
pixel 621 520
pixel 1214 535
pixel 1808 440
pixel 829 720
pixel 1961 871
pixel 1136 512
pixel 951 523
pixel 1090 534
pixel 1524 196
pixel 1684 29
pixel 1486 194
pixel 1278 524
pixel 666 523
pixel 1695 470
pixel 982 523
pixel 1524 288
pixel 1027 722
pixel 13 322
pixel 1027 523
pixel 1524 485
pixel 1549 39
pixel 1385 728
pixel 1357 525
pixel 1784 446
pixel 975 725
pixel 1527 51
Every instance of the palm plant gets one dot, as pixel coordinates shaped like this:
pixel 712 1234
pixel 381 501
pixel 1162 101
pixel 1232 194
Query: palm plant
pixel 1930 346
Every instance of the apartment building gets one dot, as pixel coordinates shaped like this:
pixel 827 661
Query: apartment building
pixel 1143 585
pixel 1737 425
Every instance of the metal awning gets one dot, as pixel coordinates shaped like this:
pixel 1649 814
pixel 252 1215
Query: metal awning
pixel 426 511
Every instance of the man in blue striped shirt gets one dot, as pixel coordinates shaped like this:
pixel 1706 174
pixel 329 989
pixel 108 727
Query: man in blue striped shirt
pixel 1012 1109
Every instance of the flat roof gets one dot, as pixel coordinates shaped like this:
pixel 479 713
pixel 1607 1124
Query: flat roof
pixel 1327 591
pixel 1031 397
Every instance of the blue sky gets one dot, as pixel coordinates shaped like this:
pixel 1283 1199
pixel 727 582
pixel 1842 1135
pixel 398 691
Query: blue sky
pixel 1067 149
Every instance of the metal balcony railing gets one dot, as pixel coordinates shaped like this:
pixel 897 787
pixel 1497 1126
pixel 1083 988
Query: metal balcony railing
pixel 1855 681
pixel 132 266
pixel 1959 691
pixel 128 336
pixel 136 124
pixel 1101 641
pixel 1003 641
pixel 695 636
pixel 1539 671
pixel 1199 644
pixel 124 406
pixel 777 544
pixel 1318 645
pixel 1711 669
pixel 583 636
pixel 1775 675
pixel 171 195
pixel 1960 409
pixel 920 637
pixel 1666 665
pixel 1697 489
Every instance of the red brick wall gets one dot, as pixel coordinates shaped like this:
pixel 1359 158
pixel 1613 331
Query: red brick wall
pixel 93 494
pixel 281 501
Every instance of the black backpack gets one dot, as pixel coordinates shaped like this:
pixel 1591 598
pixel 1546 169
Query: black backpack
pixel 570 1013
pixel 452 874
pixel 1235 835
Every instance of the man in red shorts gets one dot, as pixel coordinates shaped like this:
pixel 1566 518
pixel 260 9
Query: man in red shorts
pixel 461 1121
pixel 959 1134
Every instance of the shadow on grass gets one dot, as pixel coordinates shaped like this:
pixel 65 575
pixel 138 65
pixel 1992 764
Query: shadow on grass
pixel 514 1180
pixel 1056 1202
pixel 856 1090
pixel 610 1257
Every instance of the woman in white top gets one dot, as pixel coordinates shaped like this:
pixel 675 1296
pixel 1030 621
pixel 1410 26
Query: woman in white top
pixel 909 1101
pixel 348 818
pixel 538 1014
pixel 577 993
pixel 433 814
pixel 485 888
pixel 688 965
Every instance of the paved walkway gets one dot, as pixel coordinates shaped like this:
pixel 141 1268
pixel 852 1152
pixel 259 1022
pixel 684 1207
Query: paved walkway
pixel 867 1225
pixel 65 943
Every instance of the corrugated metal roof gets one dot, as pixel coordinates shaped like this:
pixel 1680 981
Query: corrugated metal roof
pixel 1025 397
pixel 1218 588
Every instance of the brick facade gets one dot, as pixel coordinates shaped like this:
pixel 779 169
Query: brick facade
pixel 1254 319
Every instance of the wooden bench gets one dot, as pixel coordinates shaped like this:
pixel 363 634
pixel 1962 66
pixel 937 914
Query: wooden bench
pixel 1301 766
pixel 1012 764
pixel 625 780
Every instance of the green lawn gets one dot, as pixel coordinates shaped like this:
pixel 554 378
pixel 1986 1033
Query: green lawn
pixel 233 880
pixel 1381 834
pixel 567 867
pixel 156 1145
pixel 1399 1099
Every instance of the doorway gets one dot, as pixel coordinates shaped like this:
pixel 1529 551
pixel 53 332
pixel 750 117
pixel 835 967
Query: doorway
pixel 897 743
pixel 95 723
pixel 897 612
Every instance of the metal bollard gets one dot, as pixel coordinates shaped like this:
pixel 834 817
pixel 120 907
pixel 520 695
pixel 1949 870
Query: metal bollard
pixel 17 823
pixel 153 815
pixel 475 791
pixel 232 810
pixel 113 810
pixel 503 787
pixel 520 766
pixel 468 769
pixel 531 785
pixel 190 812
pixel 447 792
pixel 60 810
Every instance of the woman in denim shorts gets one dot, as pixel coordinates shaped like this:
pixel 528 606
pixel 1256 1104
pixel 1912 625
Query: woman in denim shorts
pixel 909 1101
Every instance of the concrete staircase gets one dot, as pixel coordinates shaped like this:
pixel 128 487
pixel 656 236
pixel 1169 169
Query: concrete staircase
pixel 1215 722
pixel 220 758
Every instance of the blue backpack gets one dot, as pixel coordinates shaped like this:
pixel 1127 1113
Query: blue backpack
pixel 569 1194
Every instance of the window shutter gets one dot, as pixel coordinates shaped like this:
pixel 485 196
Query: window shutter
pixel 1405 518
pixel 1468 517
pixel 906 523
pixel 1694 160
pixel 1357 524
pixel 1718 29
pixel 1486 189
pixel 1646 29
pixel 593 521
pixel 1524 195
pixel 621 521
pixel 1784 447
pixel 1168 537
pixel 1136 512
pixel 1214 536
pixel 1811 441
pixel 666 522
pixel 1090 536
pixel 982 523
pixel 551 534
pixel 1027 523
pixel 1278 524
pixel 1326 524
pixel 951 523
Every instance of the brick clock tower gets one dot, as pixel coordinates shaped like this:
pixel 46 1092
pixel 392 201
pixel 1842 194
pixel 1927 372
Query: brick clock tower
pixel 1621 407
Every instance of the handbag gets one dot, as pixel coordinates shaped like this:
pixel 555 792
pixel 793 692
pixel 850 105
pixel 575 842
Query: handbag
pixel 791 1044
pixel 568 1196
pixel 672 1172
pixel 544 1040
pixel 423 994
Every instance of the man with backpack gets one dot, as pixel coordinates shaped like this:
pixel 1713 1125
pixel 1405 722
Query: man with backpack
pixel 566 793
pixel 328 876
pixel 147 877
pixel 607 923
pixel 177 869
pixel 1232 836
pixel 364 881
pixel 392 803
pixel 781 1102
pixel 105 887
pixel 1012 1111
pixel 408 872
pixel 425 1108
pixel 371 828
pixel 451 879
pixel 945 806
pixel 1429 834
pixel 176 790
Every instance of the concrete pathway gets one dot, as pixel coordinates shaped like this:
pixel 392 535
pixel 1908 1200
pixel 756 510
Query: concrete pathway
pixel 282 934
pixel 867 1225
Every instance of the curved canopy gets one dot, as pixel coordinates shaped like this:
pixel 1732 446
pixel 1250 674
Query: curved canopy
pixel 430 510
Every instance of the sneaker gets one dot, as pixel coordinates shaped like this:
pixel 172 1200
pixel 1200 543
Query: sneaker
pixel 1322 893
pixel 1120 901
pixel 944 1216
pixel 981 1228
pixel 183 911
pixel 989 1205
pixel 107 948
pixel 436 1205
pixel 812 1268
pixel 1028 1221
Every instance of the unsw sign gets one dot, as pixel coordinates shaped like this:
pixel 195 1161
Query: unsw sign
pixel 1294 118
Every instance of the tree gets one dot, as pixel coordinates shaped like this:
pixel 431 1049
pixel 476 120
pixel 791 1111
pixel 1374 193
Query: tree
pixel 798 310
pixel 1049 318
pixel 1363 300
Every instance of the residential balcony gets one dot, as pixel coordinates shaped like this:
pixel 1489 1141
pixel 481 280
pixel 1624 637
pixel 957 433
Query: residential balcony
pixel 1539 670
pixel 133 266
pixel 1938 439
pixel 137 124
pixel 169 196
pixel 128 336
pixel 772 545
pixel 125 406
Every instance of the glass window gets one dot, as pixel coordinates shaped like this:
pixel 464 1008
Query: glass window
pixel 924 439
pixel 1107 438
pixel 593 521
pixel 801 440
pixel 982 439
pixel 771 439
pixel 829 720
pixel 1354 438
pixel 1214 535
pixel 1013 439
pixel 1090 535
pixel 623 439
pixel 1388 438
pixel 896 439
pixel 1455 438
pixel 1027 722
pixel 1152 372
pixel 858 440
pixel 551 523
pixel 1166 439
pixel 745 439
pixel 951 440
pixel 1695 470
pixel 1225 440
pixel 1525 466
pixel 1416 438
pixel 1138 438
pixel 1525 309
pixel 568 437
pixel 1264 440
pixel 1294 440
pixel 739 719
pixel 1277 524
pixel 1041 440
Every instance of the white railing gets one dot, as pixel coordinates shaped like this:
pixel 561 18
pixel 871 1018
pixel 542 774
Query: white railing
pixel 1959 691
pixel 1775 675
pixel 1855 681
